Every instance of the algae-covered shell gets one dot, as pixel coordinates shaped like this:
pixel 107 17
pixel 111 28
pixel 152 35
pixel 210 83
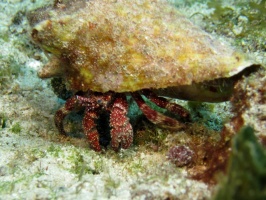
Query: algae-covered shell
pixel 128 45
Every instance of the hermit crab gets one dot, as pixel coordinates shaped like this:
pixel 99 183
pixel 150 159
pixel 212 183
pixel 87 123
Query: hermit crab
pixel 107 49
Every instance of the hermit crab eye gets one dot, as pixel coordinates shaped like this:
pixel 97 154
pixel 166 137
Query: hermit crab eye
pixel 99 101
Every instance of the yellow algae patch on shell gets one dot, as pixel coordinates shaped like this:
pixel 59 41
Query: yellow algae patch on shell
pixel 128 45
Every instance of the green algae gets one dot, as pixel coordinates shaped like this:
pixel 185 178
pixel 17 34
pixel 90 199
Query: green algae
pixel 9 70
pixel 54 150
pixel 16 128
pixel 245 21
pixel 80 166
pixel 111 185
pixel 246 177
pixel 242 20
pixel 204 113
pixel 3 120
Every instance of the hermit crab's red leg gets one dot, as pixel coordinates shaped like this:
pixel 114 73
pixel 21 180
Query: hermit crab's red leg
pixel 90 129
pixel 154 116
pixel 121 129
pixel 164 103
pixel 69 106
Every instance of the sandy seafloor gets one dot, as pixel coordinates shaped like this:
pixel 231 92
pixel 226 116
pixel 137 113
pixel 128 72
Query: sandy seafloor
pixel 37 163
